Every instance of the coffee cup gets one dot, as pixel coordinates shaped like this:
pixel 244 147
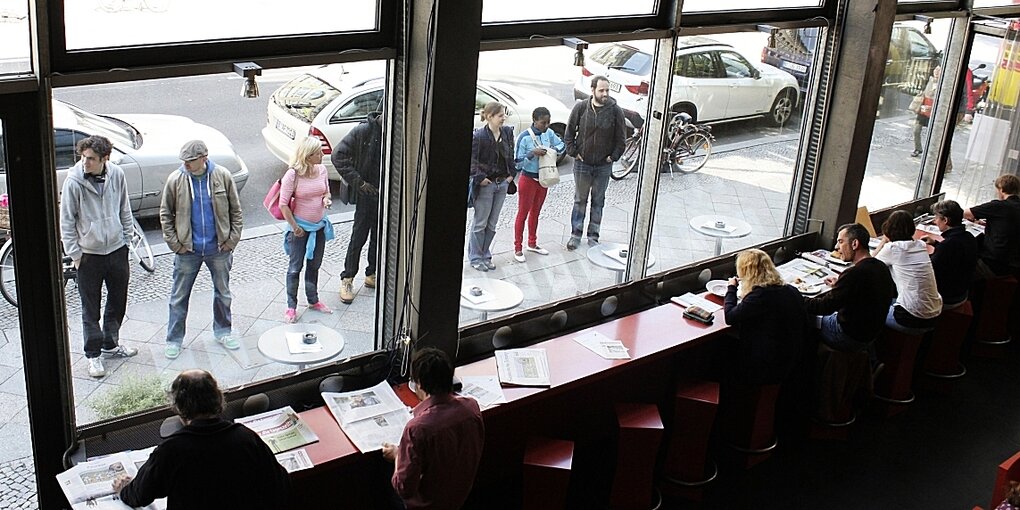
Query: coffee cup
pixel 623 253
pixel 476 291
pixel 720 224
pixel 310 338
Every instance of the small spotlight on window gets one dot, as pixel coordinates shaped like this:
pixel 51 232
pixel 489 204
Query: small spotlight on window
pixel 579 47
pixel 926 20
pixel 249 70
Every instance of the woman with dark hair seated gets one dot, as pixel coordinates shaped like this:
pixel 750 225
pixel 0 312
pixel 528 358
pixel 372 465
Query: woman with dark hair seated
pixel 918 304
pixel 770 319
pixel 955 256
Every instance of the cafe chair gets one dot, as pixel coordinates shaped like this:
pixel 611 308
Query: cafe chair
pixel 694 411
pixel 547 466
pixel 942 361
pixel 333 384
pixel 1008 470
pixel 840 377
pixel 991 319
pixel 898 351
pixel 704 276
pixel 640 434
pixel 748 414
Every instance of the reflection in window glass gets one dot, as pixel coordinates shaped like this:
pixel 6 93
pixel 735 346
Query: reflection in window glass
pixel 495 11
pixel 261 134
pixel 170 21
pixel 908 97
pixel 529 261
pixel 15 48
pixel 743 5
pixel 729 189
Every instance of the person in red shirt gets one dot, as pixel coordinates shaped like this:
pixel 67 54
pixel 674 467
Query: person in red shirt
pixel 439 451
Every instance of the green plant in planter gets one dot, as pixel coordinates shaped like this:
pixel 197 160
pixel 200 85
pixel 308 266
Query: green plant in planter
pixel 137 393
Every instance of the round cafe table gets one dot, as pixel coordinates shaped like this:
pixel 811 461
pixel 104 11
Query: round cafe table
pixel 599 255
pixel 505 295
pixel 273 344
pixel 732 228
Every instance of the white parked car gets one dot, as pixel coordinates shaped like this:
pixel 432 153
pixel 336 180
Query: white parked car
pixel 329 101
pixel 712 81
pixel 145 146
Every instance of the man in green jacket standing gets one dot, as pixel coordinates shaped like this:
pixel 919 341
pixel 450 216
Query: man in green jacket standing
pixel 201 219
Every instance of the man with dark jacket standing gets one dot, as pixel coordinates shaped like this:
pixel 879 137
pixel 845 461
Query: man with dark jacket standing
pixel 595 138
pixel 201 219
pixel 358 159
pixel 210 462
pixel 95 226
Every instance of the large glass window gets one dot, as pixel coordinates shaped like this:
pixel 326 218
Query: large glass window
pixel 691 6
pixel 726 181
pixel 909 94
pixel 495 11
pixel 15 37
pixel 254 139
pixel 139 22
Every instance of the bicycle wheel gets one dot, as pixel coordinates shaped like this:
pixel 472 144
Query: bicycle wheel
pixel 8 285
pixel 140 249
pixel 628 161
pixel 692 154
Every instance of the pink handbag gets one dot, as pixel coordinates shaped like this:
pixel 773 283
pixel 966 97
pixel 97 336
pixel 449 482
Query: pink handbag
pixel 272 200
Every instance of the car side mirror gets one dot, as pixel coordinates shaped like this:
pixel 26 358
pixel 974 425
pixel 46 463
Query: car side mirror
pixel 755 73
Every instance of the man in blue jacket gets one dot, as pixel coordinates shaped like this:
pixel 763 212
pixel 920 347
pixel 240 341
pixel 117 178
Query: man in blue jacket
pixel 95 225
pixel 595 138
pixel 201 219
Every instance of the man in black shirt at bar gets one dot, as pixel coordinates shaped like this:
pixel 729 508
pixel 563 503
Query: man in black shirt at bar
pixel 210 462
pixel 955 256
pixel 854 311
pixel 1001 246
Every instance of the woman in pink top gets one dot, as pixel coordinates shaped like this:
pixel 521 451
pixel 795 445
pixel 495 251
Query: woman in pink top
pixel 306 182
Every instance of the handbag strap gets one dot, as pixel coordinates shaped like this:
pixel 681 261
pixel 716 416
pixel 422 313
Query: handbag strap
pixel 534 139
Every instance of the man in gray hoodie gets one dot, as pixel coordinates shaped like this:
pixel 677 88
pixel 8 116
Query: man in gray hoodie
pixel 595 138
pixel 95 226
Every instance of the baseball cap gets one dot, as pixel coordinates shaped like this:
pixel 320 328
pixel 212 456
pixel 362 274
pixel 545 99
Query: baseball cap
pixel 193 150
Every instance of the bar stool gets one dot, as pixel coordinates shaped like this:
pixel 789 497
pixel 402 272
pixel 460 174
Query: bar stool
pixel 637 448
pixel 991 330
pixel 943 358
pixel 547 465
pixel 898 351
pixel 749 414
pixel 695 407
pixel 839 377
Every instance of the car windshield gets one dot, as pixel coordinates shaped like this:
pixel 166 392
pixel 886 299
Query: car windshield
pixel 305 96
pixel 625 58
pixel 119 132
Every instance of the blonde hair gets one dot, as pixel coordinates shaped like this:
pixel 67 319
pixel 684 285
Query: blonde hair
pixel 491 108
pixel 755 269
pixel 308 146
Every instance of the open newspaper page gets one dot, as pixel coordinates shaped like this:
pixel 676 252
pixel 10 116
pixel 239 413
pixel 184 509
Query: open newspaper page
pixel 295 460
pixel 281 429
pixel 89 485
pixel 523 367
pixel 369 417
pixel 483 388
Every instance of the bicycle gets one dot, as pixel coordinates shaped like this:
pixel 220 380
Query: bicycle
pixel 138 247
pixel 688 149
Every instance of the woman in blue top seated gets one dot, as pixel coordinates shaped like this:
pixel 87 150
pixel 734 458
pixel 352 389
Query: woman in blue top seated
pixel 533 146
pixel 769 318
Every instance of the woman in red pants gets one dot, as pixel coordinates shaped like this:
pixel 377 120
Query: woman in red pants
pixel 532 146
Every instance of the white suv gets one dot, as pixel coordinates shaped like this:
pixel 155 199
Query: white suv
pixel 711 81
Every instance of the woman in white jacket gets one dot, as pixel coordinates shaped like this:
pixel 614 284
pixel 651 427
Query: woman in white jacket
pixel 918 303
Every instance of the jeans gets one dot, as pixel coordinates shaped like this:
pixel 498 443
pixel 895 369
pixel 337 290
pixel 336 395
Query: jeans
pixel 114 270
pixel 593 180
pixel 488 204
pixel 834 337
pixel 891 323
pixel 297 259
pixel 366 226
pixel 186 268
pixel 530 198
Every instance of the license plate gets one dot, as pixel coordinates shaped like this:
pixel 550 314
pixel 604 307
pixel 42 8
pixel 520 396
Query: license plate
pixel 794 67
pixel 615 87
pixel 285 129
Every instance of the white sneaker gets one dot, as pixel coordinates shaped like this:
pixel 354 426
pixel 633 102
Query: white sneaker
pixel 120 351
pixel 96 367
pixel 519 257
pixel 537 249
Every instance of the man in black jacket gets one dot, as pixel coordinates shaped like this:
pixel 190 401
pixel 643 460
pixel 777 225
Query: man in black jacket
pixel 1000 249
pixel 358 158
pixel 595 138
pixel 854 311
pixel 955 256
pixel 210 462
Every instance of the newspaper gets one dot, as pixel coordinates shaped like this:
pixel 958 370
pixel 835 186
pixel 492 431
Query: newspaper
pixel 295 460
pixel 483 388
pixel 296 343
pixel 523 367
pixel 603 345
pixel 484 297
pixel 689 299
pixel 369 417
pixel 281 429
pixel 89 485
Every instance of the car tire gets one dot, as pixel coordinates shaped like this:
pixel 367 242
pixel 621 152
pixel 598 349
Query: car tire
pixel 782 108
